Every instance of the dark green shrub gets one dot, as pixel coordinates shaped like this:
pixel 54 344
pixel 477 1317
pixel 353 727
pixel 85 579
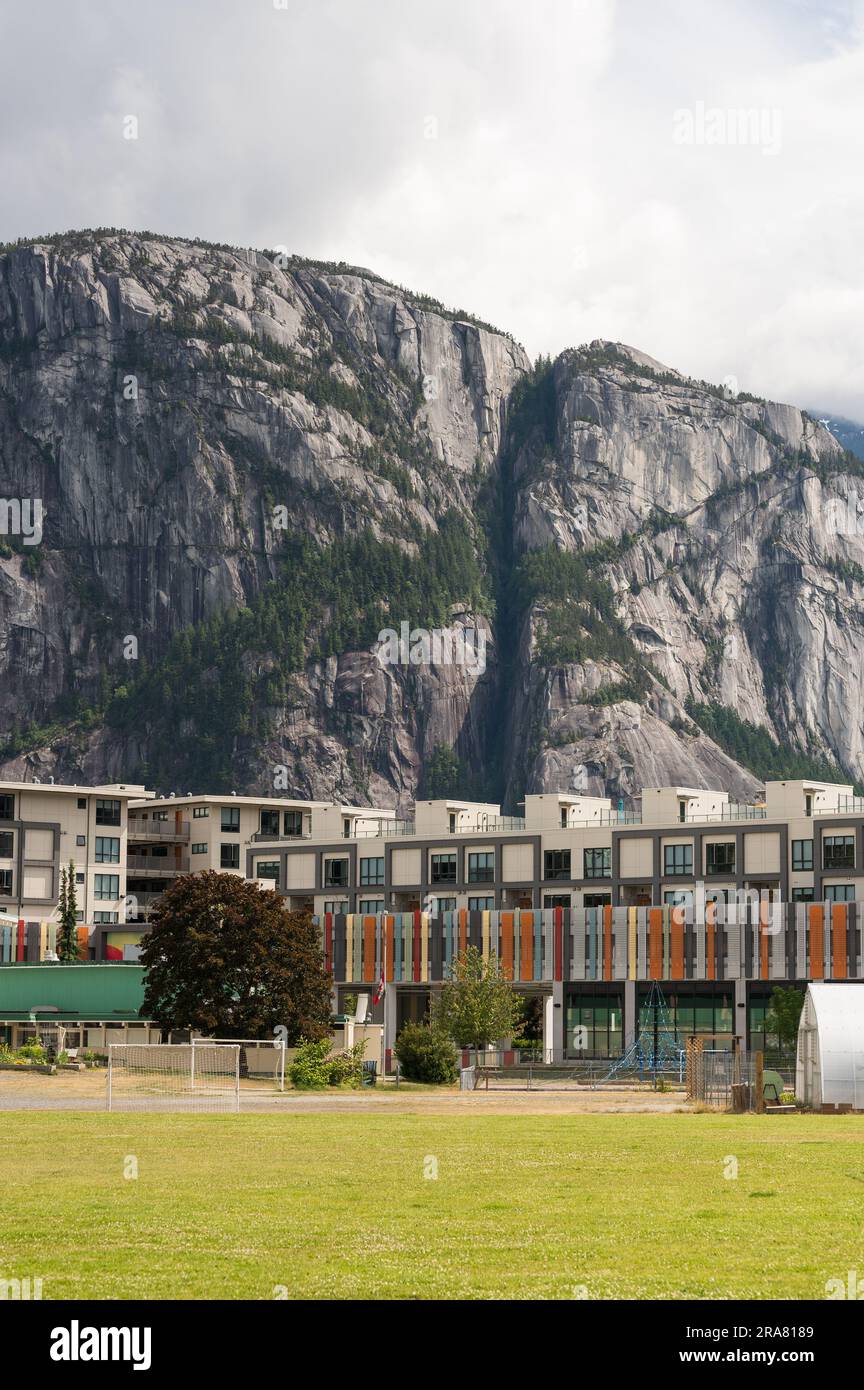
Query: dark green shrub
pixel 425 1054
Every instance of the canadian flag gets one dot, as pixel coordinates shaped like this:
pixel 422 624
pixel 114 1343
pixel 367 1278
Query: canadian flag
pixel 379 993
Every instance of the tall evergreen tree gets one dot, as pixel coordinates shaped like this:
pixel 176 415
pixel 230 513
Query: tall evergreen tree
pixel 67 936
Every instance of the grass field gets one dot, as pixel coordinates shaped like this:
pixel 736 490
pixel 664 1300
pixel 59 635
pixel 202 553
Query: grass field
pixel 528 1206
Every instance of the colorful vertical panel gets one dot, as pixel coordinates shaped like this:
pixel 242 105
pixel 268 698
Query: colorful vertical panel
pixel 655 943
pixel 817 943
pixel 838 941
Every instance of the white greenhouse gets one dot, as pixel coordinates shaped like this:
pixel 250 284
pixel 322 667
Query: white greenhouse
pixel 830 1070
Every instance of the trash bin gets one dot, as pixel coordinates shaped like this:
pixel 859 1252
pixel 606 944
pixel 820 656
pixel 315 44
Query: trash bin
pixel 466 1079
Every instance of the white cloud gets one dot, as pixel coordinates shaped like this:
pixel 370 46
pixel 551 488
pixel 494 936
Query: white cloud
pixel 553 200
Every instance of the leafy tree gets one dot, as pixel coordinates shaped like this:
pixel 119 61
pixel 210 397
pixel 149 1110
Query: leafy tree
pixel 67 936
pixel 426 1054
pixel 477 1005
pixel 229 960
pixel 784 1015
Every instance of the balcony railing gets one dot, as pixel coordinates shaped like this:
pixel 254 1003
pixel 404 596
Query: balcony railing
pixel 154 830
pixel 147 863
pixel 260 836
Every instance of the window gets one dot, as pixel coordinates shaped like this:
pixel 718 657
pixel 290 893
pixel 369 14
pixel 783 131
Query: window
pixel 372 872
pixel 802 895
pixel 107 812
pixel 231 820
pixel 838 852
pixel 268 868
pixel 556 863
pixel 200 847
pixel 105 917
pixel 346 827
pixel 802 854
pixel 677 859
pixel 79 878
pixel 335 873
pixel 6 882
pixel 198 812
pixel 7 807
pixel 106 885
pixel 443 868
pixel 598 863
pixel 159 852
pixel 597 900
pixel 292 822
pixel 481 904
pixel 443 905
pixel 481 867
pixel 160 815
pixel 107 849
pixel 269 822
pixel 80 840
pixel 339 906
pixel 839 892
pixel 229 856
pixel 7 842
pixel 682 810
pixel 451 822
pixel 82 803
pixel 678 897
pixel 370 905
pixel 556 900
pixel 720 859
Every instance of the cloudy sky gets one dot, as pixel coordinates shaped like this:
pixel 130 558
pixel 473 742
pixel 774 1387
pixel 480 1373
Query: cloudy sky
pixel 568 169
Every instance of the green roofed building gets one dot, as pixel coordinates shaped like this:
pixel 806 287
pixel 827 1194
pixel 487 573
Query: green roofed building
pixel 94 1004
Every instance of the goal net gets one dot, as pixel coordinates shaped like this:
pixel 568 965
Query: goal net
pixel 262 1061
pixel 174 1077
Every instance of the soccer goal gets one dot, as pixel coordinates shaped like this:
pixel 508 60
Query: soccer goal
pixel 262 1061
pixel 174 1077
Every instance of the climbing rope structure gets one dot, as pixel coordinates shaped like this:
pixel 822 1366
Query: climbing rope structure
pixel 657 1048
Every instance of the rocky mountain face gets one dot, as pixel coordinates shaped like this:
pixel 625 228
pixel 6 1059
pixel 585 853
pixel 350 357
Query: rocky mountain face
pixel 250 465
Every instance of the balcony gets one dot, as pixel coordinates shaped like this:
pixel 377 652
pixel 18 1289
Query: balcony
pixel 152 864
pixel 272 836
pixel 155 830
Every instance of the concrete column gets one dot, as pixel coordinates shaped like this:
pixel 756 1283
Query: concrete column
pixel 631 1020
pixel 553 1021
pixel 389 1034
pixel 739 1023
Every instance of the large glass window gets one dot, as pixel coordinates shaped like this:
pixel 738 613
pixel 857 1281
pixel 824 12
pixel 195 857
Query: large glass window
pixel 231 820
pixel 593 1024
pixel 677 859
pixel 372 872
pixel 707 1013
pixel 481 867
pixel 106 885
pixel 596 899
pixel 839 892
pixel 720 858
pixel 442 905
pixel 369 906
pixel 481 904
pixel 556 899
pixel 229 856
pixel 336 905
pixel 269 822
pixel 556 863
pixel 292 823
pixel 107 849
pixel 335 873
pixel 598 863
pixel 838 852
pixel 107 812
pixel 268 868
pixel 802 854
pixel 443 868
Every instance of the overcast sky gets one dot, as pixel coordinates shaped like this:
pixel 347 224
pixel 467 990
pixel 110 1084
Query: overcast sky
pixel 568 169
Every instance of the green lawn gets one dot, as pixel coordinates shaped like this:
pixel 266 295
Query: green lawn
pixel 632 1206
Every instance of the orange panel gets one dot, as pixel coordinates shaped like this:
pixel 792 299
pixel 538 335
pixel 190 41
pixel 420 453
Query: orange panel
pixel 607 943
pixel 677 943
pixel 368 949
pixel 838 941
pixel 526 954
pixel 83 935
pixel 710 948
pixel 655 943
pixel 463 929
pixel 507 943
pixel 817 943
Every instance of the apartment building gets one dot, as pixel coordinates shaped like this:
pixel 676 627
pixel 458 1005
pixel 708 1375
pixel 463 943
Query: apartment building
pixel 44 826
